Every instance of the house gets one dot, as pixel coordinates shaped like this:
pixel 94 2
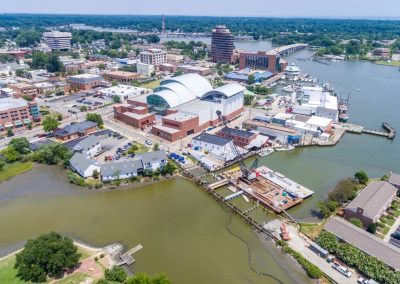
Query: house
pixel 83 165
pixel 371 202
pixel 364 241
pixel 153 160
pixel 75 130
pixel 89 146
pixel 219 147
pixel 121 170
pixel 394 180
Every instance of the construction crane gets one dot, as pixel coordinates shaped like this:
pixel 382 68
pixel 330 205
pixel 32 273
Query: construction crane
pixel 248 173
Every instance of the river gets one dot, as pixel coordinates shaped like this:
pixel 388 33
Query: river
pixel 183 230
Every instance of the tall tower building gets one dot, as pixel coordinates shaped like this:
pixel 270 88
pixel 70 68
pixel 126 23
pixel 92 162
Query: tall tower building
pixel 58 40
pixel 222 45
pixel 163 25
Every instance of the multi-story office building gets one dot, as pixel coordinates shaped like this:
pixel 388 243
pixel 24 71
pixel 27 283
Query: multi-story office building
pixel 153 56
pixel 17 113
pixel 24 89
pixel 260 60
pixel 58 40
pixel 85 82
pixel 222 45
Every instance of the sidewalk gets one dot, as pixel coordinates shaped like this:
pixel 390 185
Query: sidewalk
pixel 301 245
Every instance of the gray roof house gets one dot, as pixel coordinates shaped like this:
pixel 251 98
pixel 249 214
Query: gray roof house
pixel 394 180
pixel 120 170
pixel 371 202
pixel 83 165
pixel 78 129
pixel 153 160
pixel 89 146
pixel 364 241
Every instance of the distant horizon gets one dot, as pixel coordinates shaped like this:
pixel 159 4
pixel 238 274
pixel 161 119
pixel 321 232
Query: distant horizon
pixel 374 18
pixel 338 9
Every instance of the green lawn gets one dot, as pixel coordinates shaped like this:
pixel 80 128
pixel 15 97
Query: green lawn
pixel 141 148
pixel 391 63
pixel 14 169
pixel 7 272
pixel 151 85
pixel 75 278
pixel 311 230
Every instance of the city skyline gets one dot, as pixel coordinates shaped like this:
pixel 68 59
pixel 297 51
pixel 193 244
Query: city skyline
pixel 286 8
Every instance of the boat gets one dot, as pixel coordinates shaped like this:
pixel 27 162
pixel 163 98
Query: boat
pixel 284 148
pixel 285 232
pixel 343 117
pixel 266 152
pixel 288 89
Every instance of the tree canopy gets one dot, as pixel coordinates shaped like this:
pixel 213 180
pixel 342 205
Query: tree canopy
pixel 95 117
pixel 21 145
pixel 50 123
pixel 49 255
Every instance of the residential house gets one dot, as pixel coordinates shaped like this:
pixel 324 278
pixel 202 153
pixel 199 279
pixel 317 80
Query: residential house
pixel 121 170
pixel 83 165
pixel 89 146
pixel 153 160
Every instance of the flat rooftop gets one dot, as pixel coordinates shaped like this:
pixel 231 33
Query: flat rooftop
pixel 169 130
pixel 364 241
pixel 180 116
pixel 271 126
pixel 136 115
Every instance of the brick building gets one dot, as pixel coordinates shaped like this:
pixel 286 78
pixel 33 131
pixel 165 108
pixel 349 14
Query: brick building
pixel 134 113
pixel 24 89
pixel 241 138
pixel 121 76
pixel 260 60
pixel 17 113
pixel 75 130
pixel 84 82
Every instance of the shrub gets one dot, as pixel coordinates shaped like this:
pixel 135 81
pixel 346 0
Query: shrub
pixel 372 228
pixel 116 273
pixel 356 222
pixel 361 177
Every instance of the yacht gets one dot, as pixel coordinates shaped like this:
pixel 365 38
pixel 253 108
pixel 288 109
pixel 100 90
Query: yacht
pixel 284 148
pixel 266 152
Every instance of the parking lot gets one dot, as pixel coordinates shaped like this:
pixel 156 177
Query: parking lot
pixel 117 150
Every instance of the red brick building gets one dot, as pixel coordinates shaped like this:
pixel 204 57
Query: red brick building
pixel 241 138
pixel 134 113
pixel 85 82
pixel 75 130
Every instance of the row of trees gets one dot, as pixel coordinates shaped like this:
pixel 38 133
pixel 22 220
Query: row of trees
pixel 368 265
pixel 195 50
pixel 118 275
pixel 343 192
pixel 49 61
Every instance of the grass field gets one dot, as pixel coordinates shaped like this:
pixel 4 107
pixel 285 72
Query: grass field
pixel 311 230
pixel 75 278
pixel 141 148
pixel 151 85
pixel 14 169
pixel 391 63
pixel 7 272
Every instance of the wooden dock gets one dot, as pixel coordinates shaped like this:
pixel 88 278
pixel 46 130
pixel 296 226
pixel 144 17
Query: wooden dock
pixel 389 132
pixel 127 258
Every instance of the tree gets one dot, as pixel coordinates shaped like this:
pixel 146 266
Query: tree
pixel 50 123
pixel 133 149
pixel 53 63
pixel 114 83
pixel 83 108
pixel 10 132
pixel 356 222
pixel 96 174
pixel 169 168
pixel 116 99
pixel 2 164
pixel 39 59
pixel 116 274
pixel 361 177
pixel 251 79
pixel 20 72
pixel 48 255
pixel 102 66
pixel 11 155
pixel 28 38
pixel 156 147
pixel 248 99
pixel 21 145
pixel 178 72
pixel 95 117
pixel 372 228
pixel 143 278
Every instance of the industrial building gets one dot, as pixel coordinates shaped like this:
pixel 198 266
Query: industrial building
pixel 316 101
pixel 58 40
pixel 261 60
pixel 187 104
pixel 218 147
pixel 153 56
pixel 85 82
pixel 222 45
pixel 124 92
pixel 17 113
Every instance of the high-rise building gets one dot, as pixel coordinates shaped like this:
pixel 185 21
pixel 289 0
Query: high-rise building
pixel 222 45
pixel 58 40
pixel 260 60
pixel 153 56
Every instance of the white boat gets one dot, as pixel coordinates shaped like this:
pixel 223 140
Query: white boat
pixel 284 148
pixel 288 89
pixel 266 152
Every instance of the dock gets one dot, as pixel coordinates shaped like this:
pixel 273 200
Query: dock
pixel 389 132
pixel 125 258
pixel 218 184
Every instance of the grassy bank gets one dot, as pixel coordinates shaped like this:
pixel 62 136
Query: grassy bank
pixel 392 63
pixel 7 272
pixel 14 169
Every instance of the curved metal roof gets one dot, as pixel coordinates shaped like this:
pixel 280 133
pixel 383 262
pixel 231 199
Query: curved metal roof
pixel 228 90
pixel 196 84
pixel 177 88
pixel 172 98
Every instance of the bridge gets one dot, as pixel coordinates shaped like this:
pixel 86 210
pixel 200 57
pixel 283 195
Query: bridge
pixel 287 49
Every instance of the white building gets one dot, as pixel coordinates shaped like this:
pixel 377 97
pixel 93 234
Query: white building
pixel 83 165
pixel 292 71
pixel 90 146
pixel 124 92
pixel 317 102
pixel 153 56
pixel 120 170
pixel 153 160
pixel 220 148
pixel 58 40
pixel 145 69
pixel 315 125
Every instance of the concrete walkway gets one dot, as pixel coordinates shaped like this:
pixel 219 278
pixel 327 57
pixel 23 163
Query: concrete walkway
pixel 392 229
pixel 300 244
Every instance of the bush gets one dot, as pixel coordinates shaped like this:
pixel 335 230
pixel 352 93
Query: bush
pixel 116 273
pixel 361 177
pixel 372 228
pixel 328 241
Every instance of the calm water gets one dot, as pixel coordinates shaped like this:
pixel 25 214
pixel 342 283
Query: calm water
pixel 183 230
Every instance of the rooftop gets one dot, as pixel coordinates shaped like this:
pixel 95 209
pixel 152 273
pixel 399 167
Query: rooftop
pixel 75 128
pixel 167 129
pixel 365 241
pixel 87 143
pixel 80 161
pixel 236 132
pixel 9 103
pixel 212 139
pixel 57 34
pixel 373 198
pixel 121 168
pixel 85 78
pixel 180 116
pixel 394 179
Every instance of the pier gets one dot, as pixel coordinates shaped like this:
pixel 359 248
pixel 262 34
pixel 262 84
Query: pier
pixel 120 258
pixel 218 184
pixel 389 132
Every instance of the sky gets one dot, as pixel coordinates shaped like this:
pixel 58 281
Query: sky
pixel 267 8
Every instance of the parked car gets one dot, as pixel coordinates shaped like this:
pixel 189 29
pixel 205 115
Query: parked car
pixel 343 270
pixel 396 235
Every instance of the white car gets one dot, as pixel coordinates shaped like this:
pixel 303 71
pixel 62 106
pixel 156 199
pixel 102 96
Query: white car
pixel 342 269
